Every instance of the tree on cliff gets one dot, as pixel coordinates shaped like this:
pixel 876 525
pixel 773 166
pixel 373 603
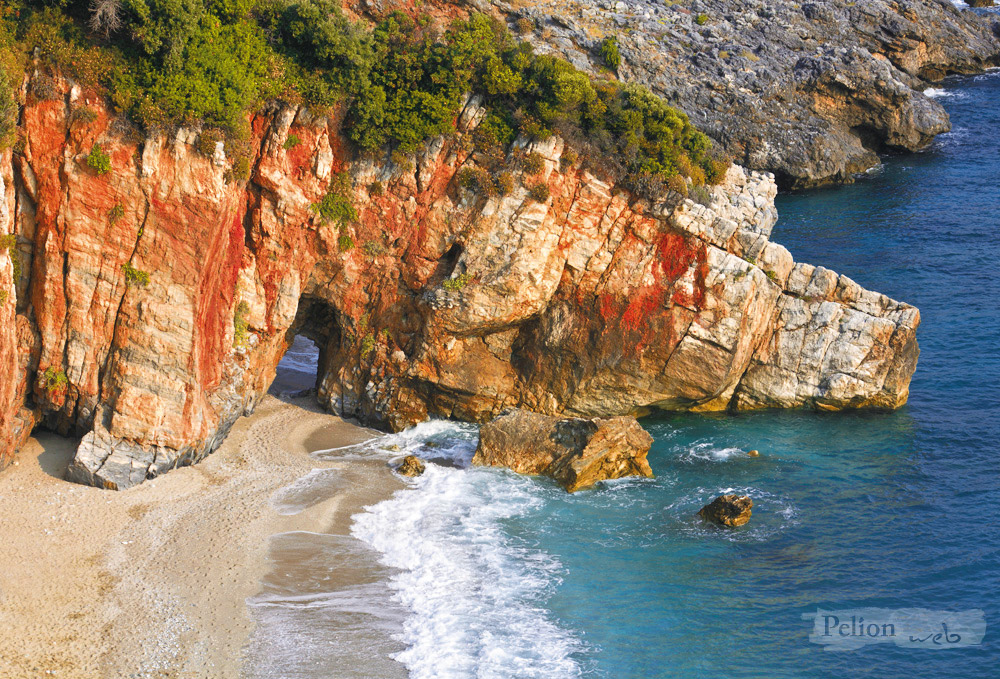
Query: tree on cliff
pixel 402 82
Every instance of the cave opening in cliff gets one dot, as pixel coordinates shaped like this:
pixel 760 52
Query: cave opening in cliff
pixel 313 337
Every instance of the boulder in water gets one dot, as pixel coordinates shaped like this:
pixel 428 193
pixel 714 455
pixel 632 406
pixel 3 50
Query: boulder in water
pixel 412 466
pixel 576 452
pixel 728 510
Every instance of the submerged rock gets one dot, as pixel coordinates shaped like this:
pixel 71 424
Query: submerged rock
pixel 575 452
pixel 728 510
pixel 411 466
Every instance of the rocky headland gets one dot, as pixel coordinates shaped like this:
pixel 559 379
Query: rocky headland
pixel 152 280
pixel 153 302
pixel 811 92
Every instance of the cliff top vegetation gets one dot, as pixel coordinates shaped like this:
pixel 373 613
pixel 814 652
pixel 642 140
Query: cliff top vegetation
pixel 163 63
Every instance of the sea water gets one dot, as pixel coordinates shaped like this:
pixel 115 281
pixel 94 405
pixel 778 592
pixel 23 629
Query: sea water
pixel 503 576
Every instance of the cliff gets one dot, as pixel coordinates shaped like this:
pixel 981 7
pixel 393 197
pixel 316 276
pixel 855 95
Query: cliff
pixel 155 300
pixel 809 91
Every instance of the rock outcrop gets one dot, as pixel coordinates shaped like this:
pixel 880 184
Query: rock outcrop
pixel 811 91
pixel 153 302
pixel 730 511
pixel 575 452
pixel 411 466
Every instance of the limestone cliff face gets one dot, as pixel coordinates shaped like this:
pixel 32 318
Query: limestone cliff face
pixel 155 301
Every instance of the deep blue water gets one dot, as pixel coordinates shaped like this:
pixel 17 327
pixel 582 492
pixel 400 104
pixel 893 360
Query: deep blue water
pixel 512 577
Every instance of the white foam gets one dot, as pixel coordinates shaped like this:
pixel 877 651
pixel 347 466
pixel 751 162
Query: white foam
pixel 711 452
pixel 939 93
pixel 477 597
pixel 452 442
pixel 302 356
pixel 306 491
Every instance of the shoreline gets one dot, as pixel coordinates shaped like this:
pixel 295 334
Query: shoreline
pixel 154 581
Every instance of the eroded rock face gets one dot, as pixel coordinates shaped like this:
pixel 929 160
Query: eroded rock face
pixel 575 452
pixel 810 91
pixel 730 511
pixel 436 301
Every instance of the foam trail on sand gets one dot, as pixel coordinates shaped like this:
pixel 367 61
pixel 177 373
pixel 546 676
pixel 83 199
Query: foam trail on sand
pixel 477 596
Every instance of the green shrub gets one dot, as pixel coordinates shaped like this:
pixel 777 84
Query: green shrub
pixel 134 276
pixel 457 283
pixel 98 160
pixel 470 178
pixel 534 163
pixel 241 326
pixel 209 140
pixel 367 344
pixel 3 297
pixel 240 171
pixel 376 189
pixel 8 104
pixel 116 213
pixel 345 243
pixel 701 19
pixel 83 115
pixel 524 25
pixel 678 185
pixel 701 195
pixel 503 183
pixel 568 159
pixel 336 205
pixel 609 52
pixel 55 380
pixel 213 62
pixel 291 142
pixel 8 244
pixel 538 192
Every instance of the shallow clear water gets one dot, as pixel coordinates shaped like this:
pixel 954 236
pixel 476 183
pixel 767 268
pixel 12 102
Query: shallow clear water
pixel 511 577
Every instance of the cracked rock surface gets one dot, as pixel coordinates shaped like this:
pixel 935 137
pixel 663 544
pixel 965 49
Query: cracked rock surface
pixel 810 91
pixel 437 301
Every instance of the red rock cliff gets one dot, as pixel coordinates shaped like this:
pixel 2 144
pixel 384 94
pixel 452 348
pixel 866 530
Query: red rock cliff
pixel 155 301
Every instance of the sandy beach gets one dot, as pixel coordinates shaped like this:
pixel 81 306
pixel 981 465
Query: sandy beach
pixel 153 582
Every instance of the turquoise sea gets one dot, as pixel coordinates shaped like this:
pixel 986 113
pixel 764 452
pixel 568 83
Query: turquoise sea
pixel 500 576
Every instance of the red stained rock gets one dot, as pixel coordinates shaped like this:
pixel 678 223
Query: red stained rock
pixel 593 303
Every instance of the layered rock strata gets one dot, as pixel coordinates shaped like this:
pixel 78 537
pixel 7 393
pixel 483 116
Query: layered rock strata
pixel 577 453
pixel 810 91
pixel 154 301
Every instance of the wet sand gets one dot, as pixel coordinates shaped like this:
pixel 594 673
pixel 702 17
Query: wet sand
pixel 154 581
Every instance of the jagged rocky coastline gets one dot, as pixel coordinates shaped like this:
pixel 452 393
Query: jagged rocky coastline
pixel 811 91
pixel 153 302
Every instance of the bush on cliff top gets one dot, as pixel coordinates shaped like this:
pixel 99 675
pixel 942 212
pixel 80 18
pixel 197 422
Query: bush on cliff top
pixel 167 62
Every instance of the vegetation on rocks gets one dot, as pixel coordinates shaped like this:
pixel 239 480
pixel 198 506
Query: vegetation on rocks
pixel 168 62
pixel 8 244
pixel 98 160
pixel 609 52
pixel 134 276
pixel 458 282
pixel 55 380
pixel 241 326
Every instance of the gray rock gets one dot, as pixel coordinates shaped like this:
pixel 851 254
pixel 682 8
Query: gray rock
pixel 810 92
